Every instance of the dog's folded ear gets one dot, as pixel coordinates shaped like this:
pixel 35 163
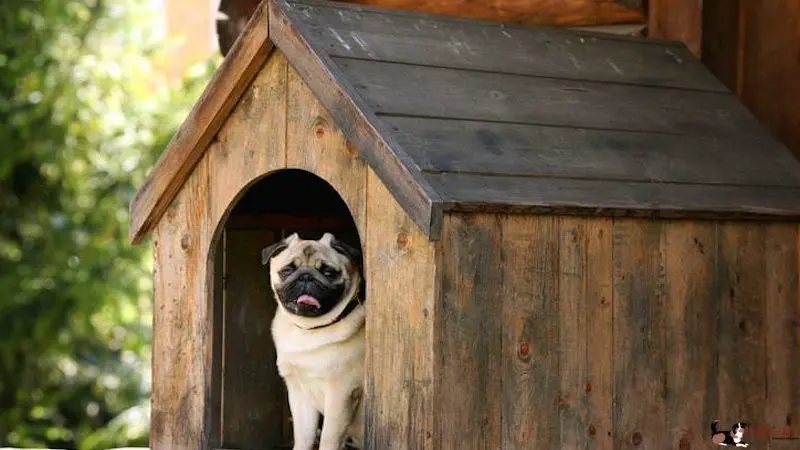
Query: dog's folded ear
pixel 271 250
pixel 351 252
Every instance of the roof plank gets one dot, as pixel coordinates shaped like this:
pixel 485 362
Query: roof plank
pixel 547 52
pixel 514 149
pixel 424 91
pixel 357 121
pixel 503 124
pixel 455 115
pixel 189 143
pixel 471 192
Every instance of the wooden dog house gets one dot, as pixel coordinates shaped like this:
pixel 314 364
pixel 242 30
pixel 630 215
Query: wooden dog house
pixel 571 240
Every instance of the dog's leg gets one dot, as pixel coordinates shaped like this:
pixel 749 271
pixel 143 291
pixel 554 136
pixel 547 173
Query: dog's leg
pixel 304 419
pixel 339 410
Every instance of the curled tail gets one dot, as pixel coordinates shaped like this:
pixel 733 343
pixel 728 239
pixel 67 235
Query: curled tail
pixel 714 427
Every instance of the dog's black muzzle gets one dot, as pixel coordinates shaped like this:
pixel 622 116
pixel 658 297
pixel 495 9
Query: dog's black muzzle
pixel 305 283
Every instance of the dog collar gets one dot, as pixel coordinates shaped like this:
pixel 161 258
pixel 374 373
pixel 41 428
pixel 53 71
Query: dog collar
pixel 345 312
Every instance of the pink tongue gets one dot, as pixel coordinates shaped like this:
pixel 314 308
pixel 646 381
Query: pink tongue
pixel 306 299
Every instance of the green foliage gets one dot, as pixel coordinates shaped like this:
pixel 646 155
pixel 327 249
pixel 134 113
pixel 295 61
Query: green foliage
pixel 83 117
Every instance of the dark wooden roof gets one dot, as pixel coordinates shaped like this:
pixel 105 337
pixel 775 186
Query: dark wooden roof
pixel 466 115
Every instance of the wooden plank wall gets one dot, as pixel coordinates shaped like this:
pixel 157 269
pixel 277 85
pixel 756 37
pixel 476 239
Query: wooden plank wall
pixel 209 357
pixel 603 333
pixel 751 46
pixel 402 284
pixel 681 20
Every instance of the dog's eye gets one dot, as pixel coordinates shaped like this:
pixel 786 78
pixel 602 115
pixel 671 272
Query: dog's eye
pixel 286 271
pixel 330 273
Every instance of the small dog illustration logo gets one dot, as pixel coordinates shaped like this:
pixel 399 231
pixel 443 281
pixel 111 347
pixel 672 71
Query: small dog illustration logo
pixel 726 438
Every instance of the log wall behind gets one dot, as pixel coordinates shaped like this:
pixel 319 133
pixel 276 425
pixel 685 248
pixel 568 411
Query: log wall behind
pixel 614 333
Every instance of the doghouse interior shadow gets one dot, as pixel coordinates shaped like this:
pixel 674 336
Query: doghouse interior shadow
pixel 249 398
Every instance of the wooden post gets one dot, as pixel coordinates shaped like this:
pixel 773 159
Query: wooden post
pixel 752 47
pixel 677 19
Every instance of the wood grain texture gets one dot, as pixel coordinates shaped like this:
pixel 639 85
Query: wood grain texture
pixel 494 47
pixel 722 41
pixel 192 138
pixel 752 48
pixel 531 399
pixel 475 192
pixel 469 338
pixel 403 286
pixel 355 120
pixel 639 365
pixel 782 327
pixel 253 394
pixel 770 66
pixel 741 326
pixel 690 259
pixel 316 145
pixel 599 293
pixel 536 12
pixel 517 149
pixel 252 141
pixel 585 341
pixel 571 328
pixel 424 91
pixel 183 322
pixel 681 20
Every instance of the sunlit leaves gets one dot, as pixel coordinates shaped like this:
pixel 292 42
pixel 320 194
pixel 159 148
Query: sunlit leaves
pixel 83 117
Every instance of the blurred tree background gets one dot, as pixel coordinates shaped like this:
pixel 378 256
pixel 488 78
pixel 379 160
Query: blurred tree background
pixel 83 117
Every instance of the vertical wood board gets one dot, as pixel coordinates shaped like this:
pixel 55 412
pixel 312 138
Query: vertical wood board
pixel 402 286
pixel 529 302
pixel 585 321
pixel 782 324
pixel 691 335
pixel 680 20
pixel 467 356
pixel 182 322
pixel 639 365
pixel 314 143
pixel 252 142
pixel 741 327
pixel 253 394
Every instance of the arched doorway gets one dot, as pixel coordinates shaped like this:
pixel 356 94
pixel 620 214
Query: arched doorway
pixel 249 398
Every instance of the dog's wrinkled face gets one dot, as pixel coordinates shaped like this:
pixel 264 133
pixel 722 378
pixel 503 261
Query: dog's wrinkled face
pixel 310 278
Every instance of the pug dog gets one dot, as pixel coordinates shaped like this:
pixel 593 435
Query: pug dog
pixel 318 332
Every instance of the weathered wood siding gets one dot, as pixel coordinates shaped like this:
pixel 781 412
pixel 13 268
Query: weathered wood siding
pixel 201 398
pixel 513 331
pixel 402 284
pixel 556 332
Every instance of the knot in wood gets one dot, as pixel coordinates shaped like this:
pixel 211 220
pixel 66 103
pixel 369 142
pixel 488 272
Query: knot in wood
pixel 592 430
pixel 524 351
pixel 497 95
pixel 684 443
pixel 320 126
pixel 637 438
pixel 351 150
pixel 185 241
pixel 402 241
